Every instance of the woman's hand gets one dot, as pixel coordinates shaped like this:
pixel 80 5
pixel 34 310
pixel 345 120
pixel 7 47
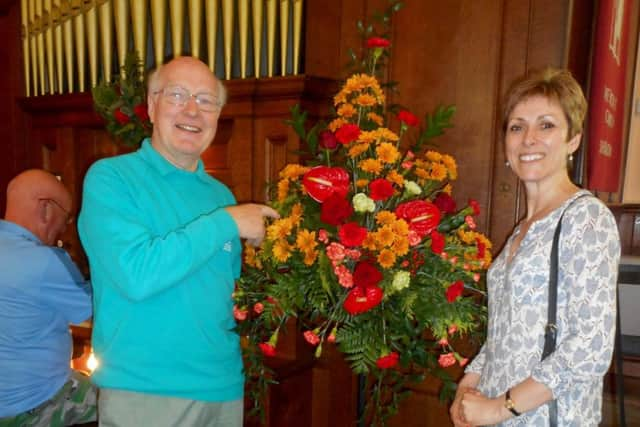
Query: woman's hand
pixel 478 409
pixel 456 408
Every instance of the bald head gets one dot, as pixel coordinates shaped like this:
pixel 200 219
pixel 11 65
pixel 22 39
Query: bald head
pixel 37 201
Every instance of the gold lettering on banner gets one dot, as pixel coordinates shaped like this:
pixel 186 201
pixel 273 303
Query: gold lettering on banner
pixel 176 12
pixel 284 35
pixel 139 23
pixel 257 36
pixel 605 148
pixel 271 35
pixel 243 23
pixel 24 14
pixel 195 26
pixel 227 29
pixel 211 19
pixel 106 36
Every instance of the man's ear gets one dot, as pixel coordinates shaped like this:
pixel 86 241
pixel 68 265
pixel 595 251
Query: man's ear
pixel 151 108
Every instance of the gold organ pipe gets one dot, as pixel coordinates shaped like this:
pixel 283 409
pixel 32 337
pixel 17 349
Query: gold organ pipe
pixel 91 17
pixel 271 35
pixel 24 13
pixel 284 35
pixel 243 27
pixel 297 33
pixel 40 40
pixel 257 36
pixel 106 37
pixel 139 20
pixel 211 10
pixel 33 47
pixel 56 21
pixel 122 30
pixel 78 25
pixel 195 26
pixel 227 28
pixel 48 40
pixel 158 21
pixel 65 18
pixel 176 10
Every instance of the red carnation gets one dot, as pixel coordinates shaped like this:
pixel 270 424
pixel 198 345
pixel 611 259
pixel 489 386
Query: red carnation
pixel 475 206
pixel 408 118
pixel 348 133
pixel 120 117
pixel 351 234
pixel 377 42
pixel 335 210
pixel 388 361
pixel 455 290
pixel 445 203
pixel 267 349
pixel 366 274
pixel 140 110
pixel 380 189
pixel 422 216
pixel 327 140
pixel 437 242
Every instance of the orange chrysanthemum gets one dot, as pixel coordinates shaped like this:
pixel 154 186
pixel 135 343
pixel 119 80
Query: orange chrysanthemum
pixel 396 178
pixel 385 217
pixel 385 236
pixel 372 166
pixel 282 250
pixel 365 100
pixel 283 189
pixel 357 150
pixel 438 172
pixel 451 166
pixel 386 258
pixel 387 153
pixel 375 118
pixel 280 229
pixel 306 240
pixel 362 183
pixel 337 124
pixel 346 111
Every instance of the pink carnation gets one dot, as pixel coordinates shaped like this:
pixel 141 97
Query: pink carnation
pixel 446 360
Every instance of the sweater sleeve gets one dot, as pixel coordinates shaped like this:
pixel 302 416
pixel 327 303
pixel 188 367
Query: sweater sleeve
pixel 589 254
pixel 121 245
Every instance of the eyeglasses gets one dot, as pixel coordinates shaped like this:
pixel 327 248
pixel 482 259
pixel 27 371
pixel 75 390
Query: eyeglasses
pixel 69 217
pixel 177 95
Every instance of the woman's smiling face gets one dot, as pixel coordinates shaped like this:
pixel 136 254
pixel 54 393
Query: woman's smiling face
pixel 536 143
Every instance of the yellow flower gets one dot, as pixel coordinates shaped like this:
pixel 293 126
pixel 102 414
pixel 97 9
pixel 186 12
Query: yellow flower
pixel 365 100
pixel 434 156
pixel 421 173
pixel 386 258
pixel 280 229
pixel 250 257
pixel 468 237
pixel 296 214
pixel 396 178
pixel 370 242
pixel 340 98
pixel 357 149
pixel 375 118
pixel 306 240
pixel 385 236
pixel 371 166
pixel 346 110
pixel 385 217
pixel 367 136
pixel 337 124
pixel 355 83
pixel 438 172
pixel 282 250
pixel 293 171
pixel 362 183
pixel 310 257
pixel 283 189
pixel 452 168
pixel 400 247
pixel 400 227
pixel 447 189
pixel 386 135
pixel 387 153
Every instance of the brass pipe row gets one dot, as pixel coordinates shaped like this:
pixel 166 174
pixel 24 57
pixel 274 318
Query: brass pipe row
pixel 64 40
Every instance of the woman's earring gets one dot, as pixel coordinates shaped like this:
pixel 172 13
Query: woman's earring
pixel 571 157
pixel 507 164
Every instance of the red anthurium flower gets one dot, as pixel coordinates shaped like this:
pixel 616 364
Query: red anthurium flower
pixel 327 140
pixel 388 361
pixel 348 133
pixel 335 210
pixel 437 242
pixel 322 181
pixel 454 290
pixel 380 189
pixel 360 300
pixel 377 42
pixel 366 274
pixel 408 118
pixel 351 234
pixel 120 117
pixel 140 110
pixel 422 216
pixel 475 206
pixel 445 203
pixel 267 349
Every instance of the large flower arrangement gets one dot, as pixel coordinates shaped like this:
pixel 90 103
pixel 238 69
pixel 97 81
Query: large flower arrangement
pixel 371 252
pixel 123 104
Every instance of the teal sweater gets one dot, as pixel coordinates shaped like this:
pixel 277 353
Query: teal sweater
pixel 163 256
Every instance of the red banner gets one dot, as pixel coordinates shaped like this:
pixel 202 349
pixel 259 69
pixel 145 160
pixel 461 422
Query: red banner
pixel 607 95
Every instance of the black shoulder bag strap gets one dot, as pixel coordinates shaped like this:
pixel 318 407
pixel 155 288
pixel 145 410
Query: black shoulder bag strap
pixel 550 333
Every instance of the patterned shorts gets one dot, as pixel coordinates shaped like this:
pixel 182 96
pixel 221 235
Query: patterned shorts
pixel 75 403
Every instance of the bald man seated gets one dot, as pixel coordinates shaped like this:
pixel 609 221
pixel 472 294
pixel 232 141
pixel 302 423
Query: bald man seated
pixel 41 293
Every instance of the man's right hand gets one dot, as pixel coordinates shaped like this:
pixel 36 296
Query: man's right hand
pixel 249 218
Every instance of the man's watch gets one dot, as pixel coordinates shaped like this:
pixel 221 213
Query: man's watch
pixel 510 404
